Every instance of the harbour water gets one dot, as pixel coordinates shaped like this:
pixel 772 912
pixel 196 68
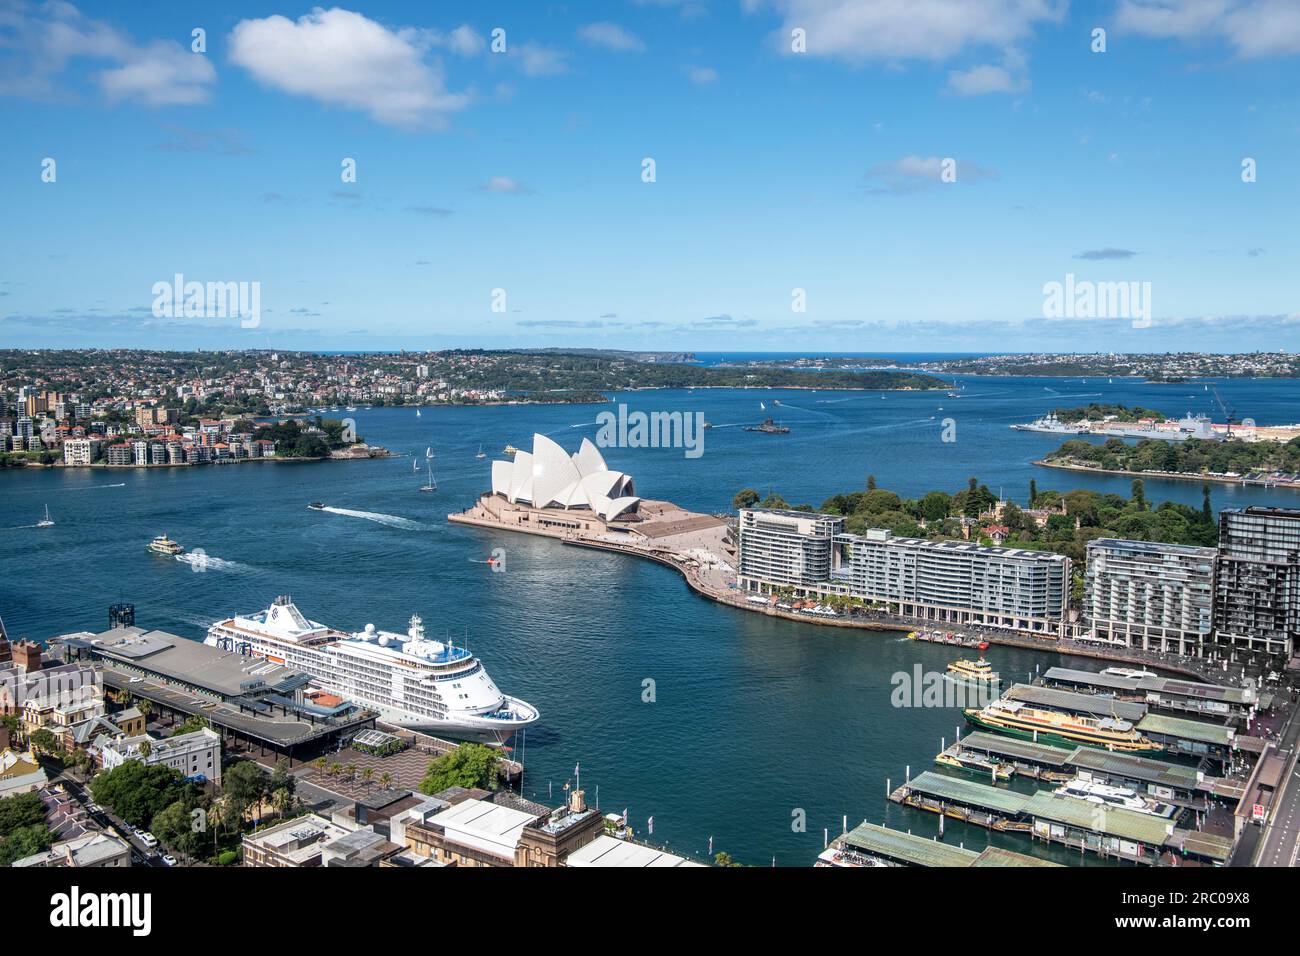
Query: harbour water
pixel 755 722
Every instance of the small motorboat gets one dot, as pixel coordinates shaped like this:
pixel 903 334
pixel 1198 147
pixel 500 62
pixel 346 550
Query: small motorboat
pixel 316 505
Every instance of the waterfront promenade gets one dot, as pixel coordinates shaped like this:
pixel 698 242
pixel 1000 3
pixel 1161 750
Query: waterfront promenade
pixel 700 549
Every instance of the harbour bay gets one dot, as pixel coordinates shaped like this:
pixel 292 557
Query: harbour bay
pixel 754 719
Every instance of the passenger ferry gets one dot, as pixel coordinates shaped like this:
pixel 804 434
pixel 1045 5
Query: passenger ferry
pixel 165 545
pixel 1017 719
pixel 1119 797
pixel 980 671
pixel 412 681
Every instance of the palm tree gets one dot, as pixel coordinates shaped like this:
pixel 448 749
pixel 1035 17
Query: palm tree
pixel 367 773
pixel 351 771
pixel 283 801
pixel 319 763
pixel 385 780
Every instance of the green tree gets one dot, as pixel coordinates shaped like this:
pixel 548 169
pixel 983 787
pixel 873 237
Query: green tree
pixel 745 498
pixel 1139 494
pixel 469 765
pixel 244 785
pixel 936 506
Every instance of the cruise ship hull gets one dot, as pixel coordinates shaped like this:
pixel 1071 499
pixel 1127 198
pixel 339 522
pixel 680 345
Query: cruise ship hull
pixel 483 730
pixel 408 680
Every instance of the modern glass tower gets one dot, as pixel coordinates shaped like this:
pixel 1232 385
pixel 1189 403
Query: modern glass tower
pixel 1257 585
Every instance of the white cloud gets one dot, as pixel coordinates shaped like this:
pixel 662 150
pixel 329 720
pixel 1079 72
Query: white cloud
pixel 463 41
pixel 984 79
pixel 1252 27
pixel 504 184
pixel 909 29
pixel 611 36
pixel 164 74
pixel 537 60
pixel 40 41
pixel 913 173
pixel 343 59
pixel 701 75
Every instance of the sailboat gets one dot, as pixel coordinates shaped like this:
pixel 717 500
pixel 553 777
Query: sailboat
pixel 481 452
pixel 432 485
pixel 47 521
pixel 417 413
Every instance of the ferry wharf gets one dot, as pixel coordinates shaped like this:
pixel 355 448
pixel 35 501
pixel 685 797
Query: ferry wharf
pixel 1108 832
pixel 1187 788
pixel 869 844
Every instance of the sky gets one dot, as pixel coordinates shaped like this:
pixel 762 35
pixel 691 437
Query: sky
pixel 763 175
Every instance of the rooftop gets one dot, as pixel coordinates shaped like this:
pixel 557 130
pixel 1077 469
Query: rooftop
pixel 190 662
pixel 610 851
pixel 1112 821
pixel 1133 767
pixel 1195 730
pixel 1064 700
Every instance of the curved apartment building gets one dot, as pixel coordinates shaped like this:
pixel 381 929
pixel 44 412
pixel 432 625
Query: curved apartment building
pixel 949 582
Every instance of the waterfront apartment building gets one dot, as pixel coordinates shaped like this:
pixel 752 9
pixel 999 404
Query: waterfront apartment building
pixel 786 548
pixel 1257 585
pixel 952 583
pixel 80 451
pixel 1149 595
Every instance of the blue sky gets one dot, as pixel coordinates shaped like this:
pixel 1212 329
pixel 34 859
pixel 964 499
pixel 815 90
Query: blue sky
pixel 775 171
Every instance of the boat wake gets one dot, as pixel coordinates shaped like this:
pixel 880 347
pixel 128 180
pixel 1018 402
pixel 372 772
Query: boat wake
pixel 392 521
pixel 206 562
pixel 120 484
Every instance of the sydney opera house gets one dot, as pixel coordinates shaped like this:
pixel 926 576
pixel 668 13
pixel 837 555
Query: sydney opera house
pixel 554 490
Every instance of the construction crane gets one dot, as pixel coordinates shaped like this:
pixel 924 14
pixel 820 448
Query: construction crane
pixel 1229 414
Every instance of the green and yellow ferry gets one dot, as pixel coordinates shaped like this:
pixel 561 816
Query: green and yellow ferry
pixel 1016 719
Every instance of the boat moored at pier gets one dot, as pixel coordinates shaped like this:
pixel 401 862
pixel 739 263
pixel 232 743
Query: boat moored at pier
pixel 411 680
pixel 1017 719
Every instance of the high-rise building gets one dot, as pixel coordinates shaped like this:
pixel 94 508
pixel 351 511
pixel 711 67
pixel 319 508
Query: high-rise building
pixel 1154 596
pixel 948 582
pixel 1257 585
pixel 786 548
pixel 956 582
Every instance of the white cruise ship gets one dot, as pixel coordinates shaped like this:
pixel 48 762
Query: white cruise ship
pixel 411 681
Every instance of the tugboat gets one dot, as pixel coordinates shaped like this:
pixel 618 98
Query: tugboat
pixel 511 450
pixel 768 427
pixel 316 505
pixel 165 545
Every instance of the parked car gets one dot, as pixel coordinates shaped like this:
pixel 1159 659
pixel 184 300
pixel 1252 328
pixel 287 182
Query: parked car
pixel 168 860
pixel 147 838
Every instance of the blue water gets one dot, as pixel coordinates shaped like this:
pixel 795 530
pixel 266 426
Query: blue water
pixel 754 719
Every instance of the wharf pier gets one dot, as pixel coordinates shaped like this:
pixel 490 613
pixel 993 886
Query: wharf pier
pixel 1108 832
pixel 869 844
pixel 1020 757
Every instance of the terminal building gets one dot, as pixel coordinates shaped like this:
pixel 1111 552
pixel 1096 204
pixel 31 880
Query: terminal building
pixel 949 582
pixel 1257 585
pixel 1149 595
